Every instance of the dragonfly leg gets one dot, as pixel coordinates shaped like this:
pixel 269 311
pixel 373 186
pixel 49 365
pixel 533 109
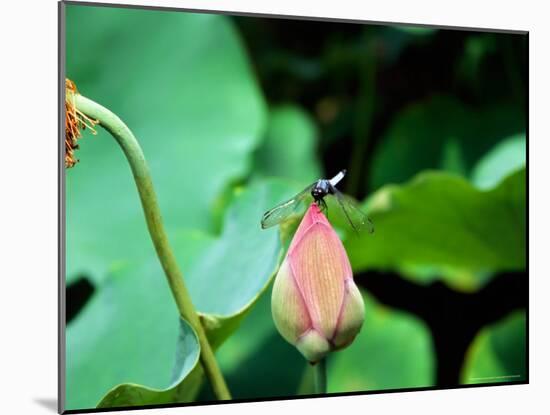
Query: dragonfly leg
pixel 323 206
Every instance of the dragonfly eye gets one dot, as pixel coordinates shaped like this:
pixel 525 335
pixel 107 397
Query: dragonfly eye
pixel 317 193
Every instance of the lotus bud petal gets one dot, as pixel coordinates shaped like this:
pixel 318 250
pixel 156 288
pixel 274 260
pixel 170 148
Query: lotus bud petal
pixel 315 303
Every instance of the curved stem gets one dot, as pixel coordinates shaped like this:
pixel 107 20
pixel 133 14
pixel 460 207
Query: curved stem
pixel 320 376
pixel 142 177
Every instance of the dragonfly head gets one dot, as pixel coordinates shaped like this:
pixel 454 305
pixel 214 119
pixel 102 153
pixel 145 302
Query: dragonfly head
pixel 319 191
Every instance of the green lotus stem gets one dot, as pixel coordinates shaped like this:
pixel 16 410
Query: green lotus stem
pixel 363 116
pixel 142 177
pixel 320 376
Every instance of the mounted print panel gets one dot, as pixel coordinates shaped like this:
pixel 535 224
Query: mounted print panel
pixel 274 207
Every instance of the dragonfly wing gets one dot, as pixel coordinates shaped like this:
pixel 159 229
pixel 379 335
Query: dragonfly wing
pixel 358 220
pixel 282 211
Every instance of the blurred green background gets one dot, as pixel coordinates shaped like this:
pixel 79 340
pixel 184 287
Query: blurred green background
pixel 236 114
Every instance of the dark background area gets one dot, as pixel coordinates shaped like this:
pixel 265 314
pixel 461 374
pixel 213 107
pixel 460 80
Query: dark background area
pixel 356 78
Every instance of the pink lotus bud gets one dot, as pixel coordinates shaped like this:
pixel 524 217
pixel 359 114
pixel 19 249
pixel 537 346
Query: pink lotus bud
pixel 315 303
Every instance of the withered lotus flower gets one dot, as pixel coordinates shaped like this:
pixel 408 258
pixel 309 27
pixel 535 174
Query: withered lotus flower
pixel 75 121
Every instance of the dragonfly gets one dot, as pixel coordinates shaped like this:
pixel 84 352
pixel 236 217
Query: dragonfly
pixel 317 191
